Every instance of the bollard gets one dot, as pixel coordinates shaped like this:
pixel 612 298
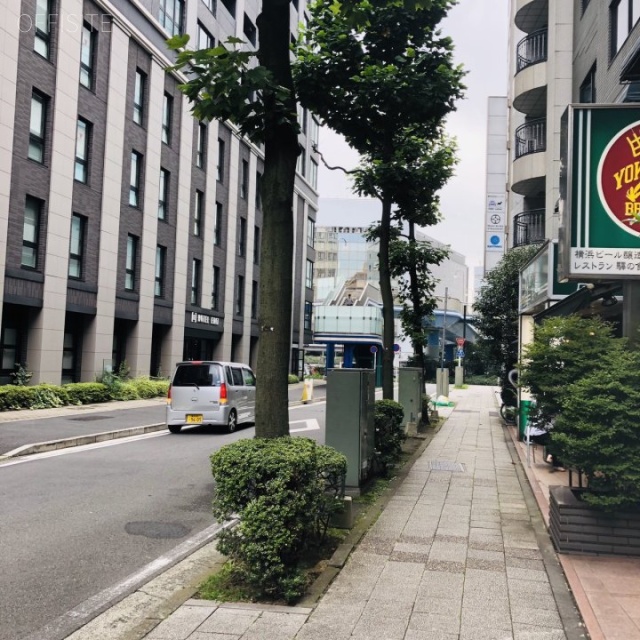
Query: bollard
pixel 307 390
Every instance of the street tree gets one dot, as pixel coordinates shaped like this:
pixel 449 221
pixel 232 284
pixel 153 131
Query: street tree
pixel 255 91
pixel 496 311
pixel 379 72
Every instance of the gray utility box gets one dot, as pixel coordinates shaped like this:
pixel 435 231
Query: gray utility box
pixel 349 420
pixel 410 391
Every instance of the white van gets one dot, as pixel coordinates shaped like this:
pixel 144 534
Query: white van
pixel 213 393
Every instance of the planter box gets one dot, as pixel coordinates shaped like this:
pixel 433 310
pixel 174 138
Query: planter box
pixel 577 527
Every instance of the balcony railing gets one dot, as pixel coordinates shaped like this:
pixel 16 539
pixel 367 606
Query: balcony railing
pixel 531 137
pixel 532 49
pixel 528 228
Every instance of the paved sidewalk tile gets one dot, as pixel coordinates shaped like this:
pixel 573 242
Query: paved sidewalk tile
pixel 453 556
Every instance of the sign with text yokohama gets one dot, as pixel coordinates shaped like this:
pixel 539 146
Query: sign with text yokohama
pixel 600 193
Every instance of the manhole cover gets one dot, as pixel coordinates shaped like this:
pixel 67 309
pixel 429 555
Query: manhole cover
pixel 445 465
pixel 156 529
pixel 91 418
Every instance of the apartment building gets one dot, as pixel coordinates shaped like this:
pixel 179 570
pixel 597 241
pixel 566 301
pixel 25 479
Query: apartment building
pixel 130 231
pixel 561 53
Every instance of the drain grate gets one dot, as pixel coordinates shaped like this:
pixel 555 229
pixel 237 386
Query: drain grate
pixel 445 465
pixel 467 411
pixel 91 418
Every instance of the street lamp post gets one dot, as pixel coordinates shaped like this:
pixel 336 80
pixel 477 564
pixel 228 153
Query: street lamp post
pixel 442 375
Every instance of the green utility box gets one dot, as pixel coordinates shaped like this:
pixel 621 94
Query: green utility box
pixel 349 421
pixel 410 391
pixel 524 411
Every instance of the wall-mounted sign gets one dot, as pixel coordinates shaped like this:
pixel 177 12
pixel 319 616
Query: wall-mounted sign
pixel 600 192
pixel 494 242
pixel 201 318
pixel 495 202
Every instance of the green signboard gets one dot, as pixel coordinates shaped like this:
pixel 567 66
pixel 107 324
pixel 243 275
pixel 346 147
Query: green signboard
pixel 600 193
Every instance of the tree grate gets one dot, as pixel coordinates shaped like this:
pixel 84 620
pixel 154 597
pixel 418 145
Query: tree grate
pixel 445 465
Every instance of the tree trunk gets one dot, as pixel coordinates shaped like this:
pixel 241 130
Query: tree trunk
pixel 276 263
pixel 417 337
pixel 387 300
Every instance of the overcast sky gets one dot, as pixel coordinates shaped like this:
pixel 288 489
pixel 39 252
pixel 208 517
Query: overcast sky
pixel 479 32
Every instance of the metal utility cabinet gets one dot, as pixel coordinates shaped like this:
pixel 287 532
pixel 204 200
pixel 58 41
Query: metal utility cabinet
pixel 410 391
pixel 350 420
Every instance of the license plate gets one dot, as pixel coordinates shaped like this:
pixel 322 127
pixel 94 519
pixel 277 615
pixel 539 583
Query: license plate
pixel 194 418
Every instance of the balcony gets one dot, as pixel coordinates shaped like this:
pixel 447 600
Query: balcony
pixel 532 49
pixel 531 15
pixel 528 228
pixel 529 166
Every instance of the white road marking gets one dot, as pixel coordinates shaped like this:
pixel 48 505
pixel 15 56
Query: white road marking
pixel 310 425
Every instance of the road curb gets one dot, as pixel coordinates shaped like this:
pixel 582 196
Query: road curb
pixel 77 441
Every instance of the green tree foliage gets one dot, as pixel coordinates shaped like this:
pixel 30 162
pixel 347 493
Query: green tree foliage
pixel 564 349
pixel 255 91
pixel 496 311
pixel 598 431
pixel 380 73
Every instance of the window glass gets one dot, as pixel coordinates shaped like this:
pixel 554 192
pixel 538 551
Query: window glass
pixel 43 28
pixel 37 127
pixel 87 56
pixel 82 151
pixel 238 380
pixel 249 378
pixel 30 233
pixel 76 246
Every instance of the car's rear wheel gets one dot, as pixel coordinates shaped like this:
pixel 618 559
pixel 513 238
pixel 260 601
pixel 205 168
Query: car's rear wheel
pixel 175 428
pixel 232 421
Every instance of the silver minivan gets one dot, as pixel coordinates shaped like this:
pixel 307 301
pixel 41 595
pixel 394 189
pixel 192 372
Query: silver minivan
pixel 212 393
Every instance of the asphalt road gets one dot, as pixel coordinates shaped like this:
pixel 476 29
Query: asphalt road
pixel 81 520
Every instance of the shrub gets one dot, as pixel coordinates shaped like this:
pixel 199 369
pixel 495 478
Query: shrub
pixel 293 378
pixel 283 490
pixel 42 396
pixel 124 391
pixel 86 392
pixel 597 430
pixel 389 435
pixel 21 375
pixel 147 388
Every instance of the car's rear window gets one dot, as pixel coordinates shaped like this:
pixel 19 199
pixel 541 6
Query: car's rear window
pixel 202 375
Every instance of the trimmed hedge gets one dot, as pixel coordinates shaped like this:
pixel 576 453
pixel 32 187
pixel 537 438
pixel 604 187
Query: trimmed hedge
pixel 48 396
pixel 293 379
pixel 389 435
pixel 284 490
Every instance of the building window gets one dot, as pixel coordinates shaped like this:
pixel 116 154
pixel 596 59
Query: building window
pixel 215 289
pixel 302 118
pixel 624 14
pixel 139 97
pixel 217 226
pixel 83 133
pixel 311 232
pixel 87 56
pixel 163 195
pixel 201 145
pixel 198 213
pixel 240 296
pixel 211 5
pixel 588 87
pixel 309 275
pixel 314 131
pixel 230 6
pixel 256 245
pixel 37 126
pixel 258 190
pixel 31 232
pixel 220 167
pixel 9 348
pixel 130 265
pixel 195 282
pixel 308 314
pixel 313 173
pixel 167 111
pixel 301 165
pixel 134 181
pixel 244 180
pixel 250 32
pixel 42 42
pixel 76 249
pixel 161 260
pixel 205 39
pixel 254 299
pixel 242 238
pixel 69 348
pixel 172 15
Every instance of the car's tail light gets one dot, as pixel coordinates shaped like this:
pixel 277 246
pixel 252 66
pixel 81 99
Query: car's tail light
pixel 223 393
pixel 169 395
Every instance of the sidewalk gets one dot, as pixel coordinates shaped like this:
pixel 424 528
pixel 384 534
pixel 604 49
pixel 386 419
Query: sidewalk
pixel 459 552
